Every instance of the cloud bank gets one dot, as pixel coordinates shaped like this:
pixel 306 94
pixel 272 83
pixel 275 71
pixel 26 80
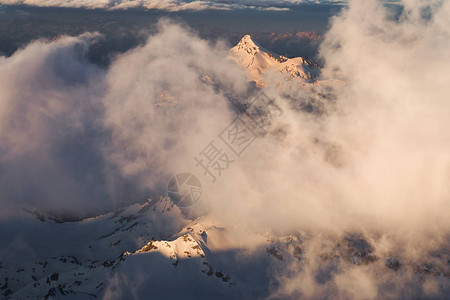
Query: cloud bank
pixel 77 138
pixel 167 5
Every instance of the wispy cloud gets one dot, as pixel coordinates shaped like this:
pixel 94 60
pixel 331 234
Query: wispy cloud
pixel 167 5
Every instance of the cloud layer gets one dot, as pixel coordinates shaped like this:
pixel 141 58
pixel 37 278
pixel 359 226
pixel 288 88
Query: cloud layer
pixel 167 5
pixel 83 139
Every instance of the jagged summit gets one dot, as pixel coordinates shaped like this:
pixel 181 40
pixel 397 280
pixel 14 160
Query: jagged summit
pixel 258 61
pixel 247 39
pixel 248 45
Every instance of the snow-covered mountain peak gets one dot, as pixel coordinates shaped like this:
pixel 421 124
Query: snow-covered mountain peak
pixel 259 61
pixel 247 45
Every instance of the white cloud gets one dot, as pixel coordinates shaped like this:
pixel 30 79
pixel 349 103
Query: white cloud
pixel 167 5
pixel 63 135
pixel 164 77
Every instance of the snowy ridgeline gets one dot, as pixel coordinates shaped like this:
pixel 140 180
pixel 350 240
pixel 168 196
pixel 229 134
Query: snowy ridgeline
pixel 145 248
pixel 151 249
